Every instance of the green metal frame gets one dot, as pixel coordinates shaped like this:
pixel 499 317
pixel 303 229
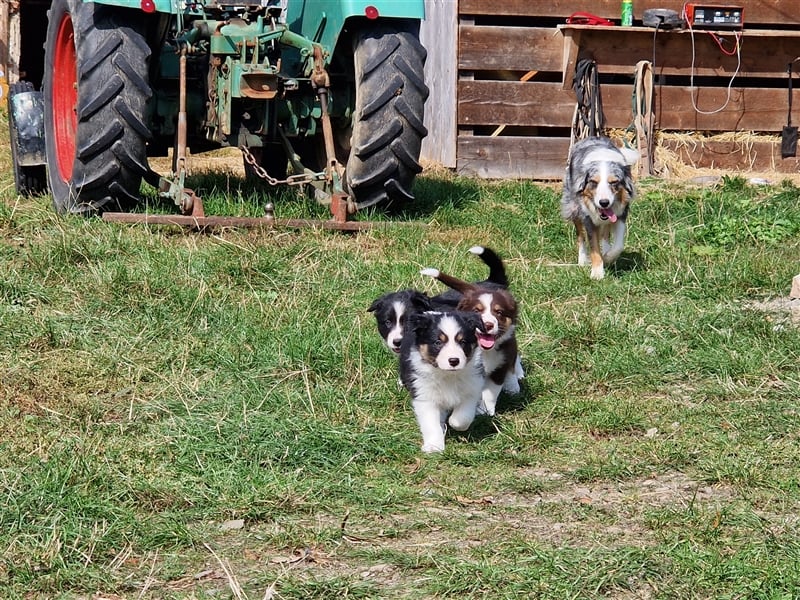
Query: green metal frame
pixel 322 25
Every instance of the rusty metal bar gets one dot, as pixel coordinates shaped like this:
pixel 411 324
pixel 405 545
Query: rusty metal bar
pixel 242 222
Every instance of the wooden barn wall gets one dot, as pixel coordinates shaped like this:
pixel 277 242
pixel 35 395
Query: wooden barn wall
pixel 439 35
pixel 515 103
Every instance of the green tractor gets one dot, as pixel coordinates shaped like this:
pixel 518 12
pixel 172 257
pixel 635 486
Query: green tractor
pixel 327 95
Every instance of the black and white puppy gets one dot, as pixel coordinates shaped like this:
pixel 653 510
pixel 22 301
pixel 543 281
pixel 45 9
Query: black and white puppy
pixel 392 311
pixel 598 189
pixel 440 365
pixel 497 310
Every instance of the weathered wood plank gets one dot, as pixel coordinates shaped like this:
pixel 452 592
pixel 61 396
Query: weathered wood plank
pixel 533 104
pixel 778 12
pixel 544 158
pixel 762 55
pixel 512 157
pixel 439 35
pixel 509 48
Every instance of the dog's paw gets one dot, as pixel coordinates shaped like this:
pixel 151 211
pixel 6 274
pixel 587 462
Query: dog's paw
pixel 597 273
pixel 519 372
pixel 431 448
pixel 487 406
pixel 460 422
pixel 511 385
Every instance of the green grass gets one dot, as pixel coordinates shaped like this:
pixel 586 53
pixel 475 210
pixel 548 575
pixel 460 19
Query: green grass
pixel 156 384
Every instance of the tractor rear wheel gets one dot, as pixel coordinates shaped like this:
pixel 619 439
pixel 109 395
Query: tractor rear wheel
pixel 388 118
pixel 96 88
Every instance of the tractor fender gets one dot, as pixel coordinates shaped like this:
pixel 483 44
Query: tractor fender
pixel 162 6
pixel 27 119
pixel 339 10
pixel 325 23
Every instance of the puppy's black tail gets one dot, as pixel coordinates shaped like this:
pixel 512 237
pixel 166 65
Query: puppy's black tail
pixel 497 271
pixel 450 281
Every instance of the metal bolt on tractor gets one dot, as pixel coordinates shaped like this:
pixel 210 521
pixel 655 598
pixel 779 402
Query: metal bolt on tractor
pixel 326 95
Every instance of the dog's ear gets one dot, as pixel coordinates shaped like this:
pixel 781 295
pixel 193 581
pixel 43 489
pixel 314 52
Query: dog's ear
pixel 418 321
pixel 420 301
pixel 627 183
pixel 376 304
pixel 474 321
pixel 630 155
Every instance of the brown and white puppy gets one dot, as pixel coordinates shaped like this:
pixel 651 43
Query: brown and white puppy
pixel 497 309
pixel 598 189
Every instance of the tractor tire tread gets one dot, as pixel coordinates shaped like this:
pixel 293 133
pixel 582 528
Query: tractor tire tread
pixel 112 61
pixel 388 122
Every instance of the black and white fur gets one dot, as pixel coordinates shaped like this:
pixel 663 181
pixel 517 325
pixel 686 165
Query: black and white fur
pixel 391 310
pixel 598 188
pixel 497 310
pixel 440 365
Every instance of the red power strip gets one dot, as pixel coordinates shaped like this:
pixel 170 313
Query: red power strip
pixel 714 16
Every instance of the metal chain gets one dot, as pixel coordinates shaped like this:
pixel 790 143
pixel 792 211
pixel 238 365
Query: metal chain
pixel 299 179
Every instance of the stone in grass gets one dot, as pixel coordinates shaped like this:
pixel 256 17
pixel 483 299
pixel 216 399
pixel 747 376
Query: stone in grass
pixel 795 293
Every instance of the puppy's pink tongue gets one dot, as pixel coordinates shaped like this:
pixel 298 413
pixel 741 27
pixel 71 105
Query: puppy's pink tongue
pixel 609 214
pixel 485 341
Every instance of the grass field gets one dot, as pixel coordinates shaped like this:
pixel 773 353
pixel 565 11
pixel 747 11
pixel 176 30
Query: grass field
pixel 189 415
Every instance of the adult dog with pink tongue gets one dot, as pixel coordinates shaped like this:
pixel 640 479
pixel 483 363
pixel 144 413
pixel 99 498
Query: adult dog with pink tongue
pixel 598 188
pixel 497 308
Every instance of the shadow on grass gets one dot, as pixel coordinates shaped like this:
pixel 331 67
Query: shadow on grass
pixel 628 262
pixel 223 193
pixel 484 427
pixel 432 193
pixel 514 403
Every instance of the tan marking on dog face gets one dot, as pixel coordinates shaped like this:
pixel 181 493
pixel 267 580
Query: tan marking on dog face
pixel 425 353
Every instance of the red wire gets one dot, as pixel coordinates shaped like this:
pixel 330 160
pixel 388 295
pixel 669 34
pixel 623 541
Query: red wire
pixel 719 41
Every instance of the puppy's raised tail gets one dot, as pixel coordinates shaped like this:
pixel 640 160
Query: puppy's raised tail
pixel 450 281
pixel 497 270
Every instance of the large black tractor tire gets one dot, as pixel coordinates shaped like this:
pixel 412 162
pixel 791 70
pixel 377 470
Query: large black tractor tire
pixel 96 89
pixel 25 116
pixel 388 118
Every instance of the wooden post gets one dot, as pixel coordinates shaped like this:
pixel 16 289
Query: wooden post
pixel 3 45
pixel 439 35
pixel 9 20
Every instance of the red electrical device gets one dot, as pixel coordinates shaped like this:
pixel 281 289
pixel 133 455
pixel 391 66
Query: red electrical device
pixel 714 16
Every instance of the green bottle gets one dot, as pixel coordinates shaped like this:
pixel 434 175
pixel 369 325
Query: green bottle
pixel 627 13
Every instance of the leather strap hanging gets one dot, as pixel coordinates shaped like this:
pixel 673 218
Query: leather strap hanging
pixel 789 133
pixel 587 119
pixel 643 122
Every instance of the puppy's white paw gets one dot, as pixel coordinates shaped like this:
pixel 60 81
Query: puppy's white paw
pixel 460 422
pixel 511 385
pixel 597 273
pixel 431 448
pixel 519 372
